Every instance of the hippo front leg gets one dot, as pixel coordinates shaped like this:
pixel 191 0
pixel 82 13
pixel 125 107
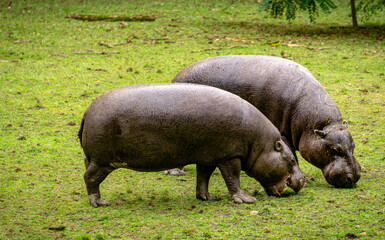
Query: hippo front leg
pixel 230 171
pixel 93 176
pixel 203 177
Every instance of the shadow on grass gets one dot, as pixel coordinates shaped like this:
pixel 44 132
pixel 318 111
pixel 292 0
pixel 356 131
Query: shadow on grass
pixel 286 194
pixel 376 32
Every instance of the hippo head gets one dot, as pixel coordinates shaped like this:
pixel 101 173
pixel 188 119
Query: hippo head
pixel 331 149
pixel 277 167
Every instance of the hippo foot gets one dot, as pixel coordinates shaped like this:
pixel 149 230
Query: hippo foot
pixel 241 197
pixel 175 172
pixel 96 202
pixel 207 197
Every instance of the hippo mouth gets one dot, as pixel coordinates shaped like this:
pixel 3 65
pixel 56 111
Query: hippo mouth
pixel 296 185
pixel 289 182
pixel 344 178
pixel 275 192
pixel 277 189
pixel 293 181
pixel 342 181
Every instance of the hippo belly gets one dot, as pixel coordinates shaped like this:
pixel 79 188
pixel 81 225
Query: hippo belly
pixel 293 100
pixel 160 126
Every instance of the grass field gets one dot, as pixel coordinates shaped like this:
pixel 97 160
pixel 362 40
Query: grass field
pixel 52 67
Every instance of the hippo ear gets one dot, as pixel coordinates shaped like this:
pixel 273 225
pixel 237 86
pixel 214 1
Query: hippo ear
pixel 278 146
pixel 320 133
pixel 345 123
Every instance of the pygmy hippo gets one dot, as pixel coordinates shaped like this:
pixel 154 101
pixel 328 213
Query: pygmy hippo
pixel 294 101
pixel 154 127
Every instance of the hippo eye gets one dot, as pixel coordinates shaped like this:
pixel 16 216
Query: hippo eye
pixel 336 152
pixel 293 161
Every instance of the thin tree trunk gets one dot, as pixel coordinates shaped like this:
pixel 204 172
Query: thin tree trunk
pixel 354 14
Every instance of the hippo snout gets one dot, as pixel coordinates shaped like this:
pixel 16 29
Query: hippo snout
pixel 296 179
pixel 296 183
pixel 342 180
pixel 341 175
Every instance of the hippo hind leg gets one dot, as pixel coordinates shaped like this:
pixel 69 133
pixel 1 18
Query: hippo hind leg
pixel 93 176
pixel 86 162
pixel 230 170
pixel 203 177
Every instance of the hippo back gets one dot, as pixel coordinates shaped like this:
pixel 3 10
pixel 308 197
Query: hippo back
pixel 284 91
pixel 170 117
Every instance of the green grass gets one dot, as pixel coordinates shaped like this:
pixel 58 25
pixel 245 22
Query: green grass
pixel 45 93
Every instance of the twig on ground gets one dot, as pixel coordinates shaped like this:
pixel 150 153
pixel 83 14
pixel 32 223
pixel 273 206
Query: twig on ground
pixel 239 40
pixel 378 54
pixel 104 43
pixel 158 31
pixel 119 43
pixel 290 44
pixel 129 39
pixel 319 49
pixel 93 52
pixel 91 18
pixel 10 61
pixel 221 48
pixel 23 41
pixel 157 40
pixel 111 45
pixel 56 55
pixel 122 25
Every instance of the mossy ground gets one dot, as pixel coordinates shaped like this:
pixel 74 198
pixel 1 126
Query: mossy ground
pixel 53 67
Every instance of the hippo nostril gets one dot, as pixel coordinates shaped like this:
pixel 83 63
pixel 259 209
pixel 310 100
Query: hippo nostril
pixel 349 179
pixel 289 182
pixel 344 181
pixel 302 181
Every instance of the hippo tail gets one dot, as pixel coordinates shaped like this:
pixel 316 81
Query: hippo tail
pixel 80 133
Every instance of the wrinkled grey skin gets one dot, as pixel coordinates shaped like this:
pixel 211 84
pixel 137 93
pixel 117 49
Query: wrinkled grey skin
pixel 294 101
pixel 155 127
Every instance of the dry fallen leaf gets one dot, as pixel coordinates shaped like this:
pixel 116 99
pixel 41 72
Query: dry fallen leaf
pixel 253 213
pixel 266 229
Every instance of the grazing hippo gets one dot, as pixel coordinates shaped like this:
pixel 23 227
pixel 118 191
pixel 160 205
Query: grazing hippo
pixel 155 127
pixel 294 101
